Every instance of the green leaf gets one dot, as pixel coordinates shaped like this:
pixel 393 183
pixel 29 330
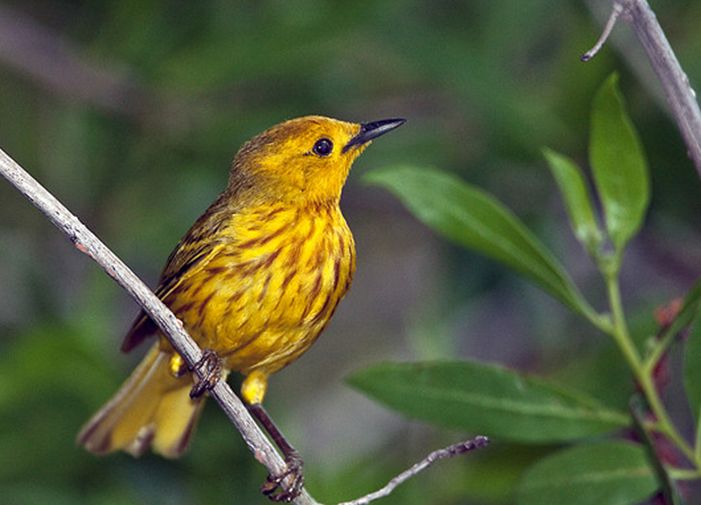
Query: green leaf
pixel 487 399
pixel 475 219
pixel 619 166
pixel 610 473
pixel 577 200
pixel 598 371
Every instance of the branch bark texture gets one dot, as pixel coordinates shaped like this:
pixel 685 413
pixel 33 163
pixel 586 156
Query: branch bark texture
pixel 680 95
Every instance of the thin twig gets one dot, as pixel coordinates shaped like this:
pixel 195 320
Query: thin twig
pixel 681 98
pixel 627 45
pixel 447 452
pixel 615 12
pixel 86 242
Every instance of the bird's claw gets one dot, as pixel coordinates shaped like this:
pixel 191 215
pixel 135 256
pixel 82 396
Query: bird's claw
pixel 209 369
pixel 292 478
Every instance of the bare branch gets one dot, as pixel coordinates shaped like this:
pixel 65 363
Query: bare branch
pixel 627 45
pixel 681 98
pixel 86 242
pixel 447 452
pixel 615 12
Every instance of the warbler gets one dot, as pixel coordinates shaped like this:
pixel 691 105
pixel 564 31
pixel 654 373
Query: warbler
pixel 255 280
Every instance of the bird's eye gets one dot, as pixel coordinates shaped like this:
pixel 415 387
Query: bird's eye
pixel 323 147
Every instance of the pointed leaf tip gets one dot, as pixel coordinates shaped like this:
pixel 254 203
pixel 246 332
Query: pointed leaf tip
pixel 578 201
pixel 618 164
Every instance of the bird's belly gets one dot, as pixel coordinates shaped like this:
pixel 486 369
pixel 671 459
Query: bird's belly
pixel 264 312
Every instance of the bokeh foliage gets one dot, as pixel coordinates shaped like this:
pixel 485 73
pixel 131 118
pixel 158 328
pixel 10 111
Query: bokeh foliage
pixel 484 85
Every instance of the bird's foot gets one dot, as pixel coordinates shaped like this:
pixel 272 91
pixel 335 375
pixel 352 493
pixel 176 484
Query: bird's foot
pixel 208 370
pixel 292 478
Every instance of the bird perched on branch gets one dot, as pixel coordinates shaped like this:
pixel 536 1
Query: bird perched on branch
pixel 254 281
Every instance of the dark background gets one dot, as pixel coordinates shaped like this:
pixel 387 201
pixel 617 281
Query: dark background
pixel 130 112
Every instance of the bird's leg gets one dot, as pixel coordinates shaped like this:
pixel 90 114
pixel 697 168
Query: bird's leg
pixel 293 471
pixel 209 371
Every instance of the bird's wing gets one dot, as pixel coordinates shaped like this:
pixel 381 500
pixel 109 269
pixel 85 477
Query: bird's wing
pixel 143 326
pixel 201 243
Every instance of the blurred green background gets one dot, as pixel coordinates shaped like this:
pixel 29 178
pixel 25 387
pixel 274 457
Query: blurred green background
pixel 130 112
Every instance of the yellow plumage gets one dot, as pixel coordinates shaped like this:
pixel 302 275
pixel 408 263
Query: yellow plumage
pixel 152 408
pixel 255 279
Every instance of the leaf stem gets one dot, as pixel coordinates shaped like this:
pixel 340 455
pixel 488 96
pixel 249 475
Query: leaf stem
pixel 665 424
pixel 684 473
pixel 661 347
pixel 642 374
pixel 600 321
pixel 690 307
pixel 619 329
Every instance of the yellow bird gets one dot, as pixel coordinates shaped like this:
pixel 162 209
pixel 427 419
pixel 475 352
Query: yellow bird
pixel 255 280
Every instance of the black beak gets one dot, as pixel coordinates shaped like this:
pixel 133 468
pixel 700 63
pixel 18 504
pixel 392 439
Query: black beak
pixel 372 130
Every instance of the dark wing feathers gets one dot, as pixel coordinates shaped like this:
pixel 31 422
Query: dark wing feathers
pixel 193 251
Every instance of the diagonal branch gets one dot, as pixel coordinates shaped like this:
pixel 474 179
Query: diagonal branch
pixel 86 242
pixel 681 98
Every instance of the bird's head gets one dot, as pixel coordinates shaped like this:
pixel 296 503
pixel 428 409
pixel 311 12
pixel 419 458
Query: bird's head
pixel 303 160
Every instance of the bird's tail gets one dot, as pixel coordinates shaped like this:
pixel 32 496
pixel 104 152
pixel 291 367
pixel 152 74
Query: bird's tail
pixel 153 408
